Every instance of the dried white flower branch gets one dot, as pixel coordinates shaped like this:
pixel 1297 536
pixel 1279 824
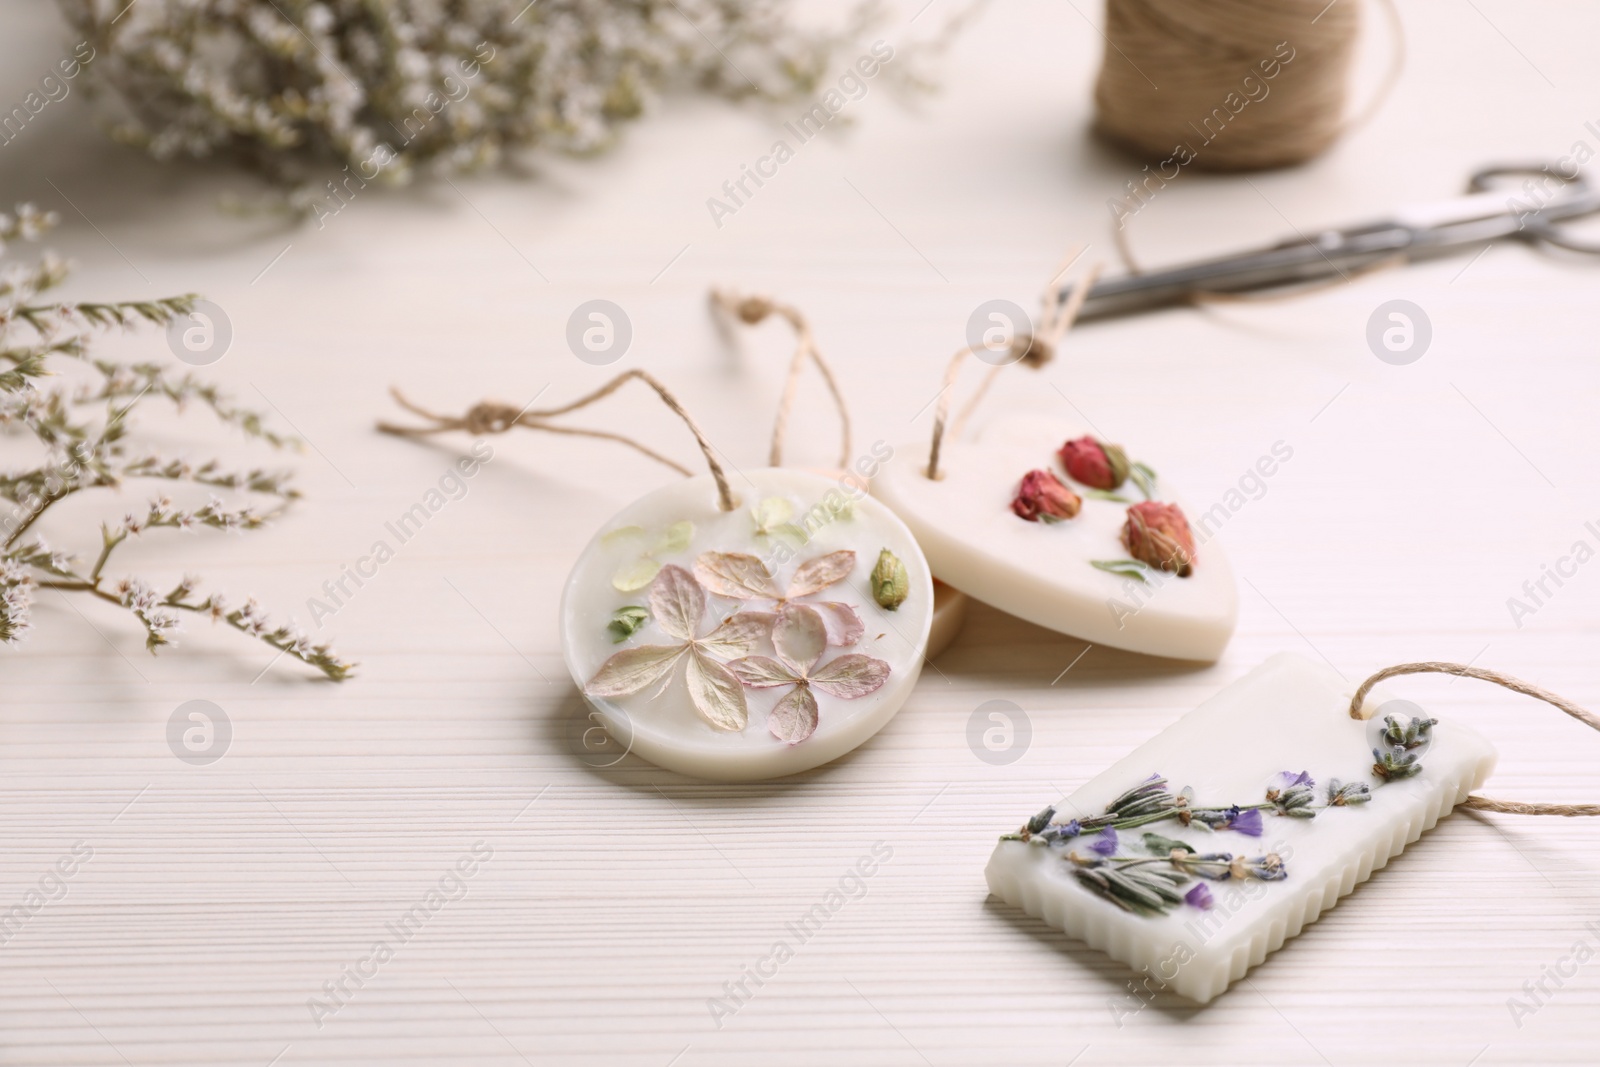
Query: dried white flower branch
pixel 83 430
pixel 280 83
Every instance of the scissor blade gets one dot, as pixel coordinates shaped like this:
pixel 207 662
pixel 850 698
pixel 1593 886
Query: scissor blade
pixel 1326 255
pixel 1412 234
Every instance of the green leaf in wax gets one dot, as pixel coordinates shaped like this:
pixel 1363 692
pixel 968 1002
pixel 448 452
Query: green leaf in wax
pixel 621 533
pixel 1145 478
pixel 676 539
pixel 1123 568
pixel 1165 846
pixel 625 622
pixel 635 575
pixel 771 513
pixel 1105 494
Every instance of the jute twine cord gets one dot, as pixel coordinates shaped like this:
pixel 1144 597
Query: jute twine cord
pixel 1170 65
pixel 1477 803
pixel 492 416
pixel 1033 349
pixel 754 309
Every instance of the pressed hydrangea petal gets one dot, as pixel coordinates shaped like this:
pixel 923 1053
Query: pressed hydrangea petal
pixel 795 717
pixel 716 693
pixel 677 602
pixel 799 637
pixel 815 575
pixel 844 626
pixel 762 672
pixel 632 670
pixel 738 634
pixel 852 676
pixel 737 575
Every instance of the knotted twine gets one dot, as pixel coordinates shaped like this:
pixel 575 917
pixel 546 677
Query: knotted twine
pixel 1477 803
pixel 494 417
pixel 1033 348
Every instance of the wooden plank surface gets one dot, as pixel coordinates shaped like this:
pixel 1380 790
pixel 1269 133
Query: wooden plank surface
pixel 610 907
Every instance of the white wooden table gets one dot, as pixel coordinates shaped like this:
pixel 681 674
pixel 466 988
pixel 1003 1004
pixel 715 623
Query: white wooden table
pixel 617 902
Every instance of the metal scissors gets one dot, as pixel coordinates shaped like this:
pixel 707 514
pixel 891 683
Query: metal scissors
pixel 1491 211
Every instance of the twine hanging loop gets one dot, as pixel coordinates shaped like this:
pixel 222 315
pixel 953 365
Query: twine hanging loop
pixel 1033 349
pixel 754 309
pixel 1359 710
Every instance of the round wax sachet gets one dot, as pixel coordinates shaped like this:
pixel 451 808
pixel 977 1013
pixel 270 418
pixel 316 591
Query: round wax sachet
pixel 752 643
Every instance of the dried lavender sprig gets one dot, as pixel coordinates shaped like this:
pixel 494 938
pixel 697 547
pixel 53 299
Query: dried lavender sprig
pixel 1291 795
pixel 1409 734
pixel 1141 885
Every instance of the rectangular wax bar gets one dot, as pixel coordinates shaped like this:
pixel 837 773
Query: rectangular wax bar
pixel 1289 714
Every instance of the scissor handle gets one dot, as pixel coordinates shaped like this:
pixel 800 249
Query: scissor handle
pixel 1579 199
pixel 1482 180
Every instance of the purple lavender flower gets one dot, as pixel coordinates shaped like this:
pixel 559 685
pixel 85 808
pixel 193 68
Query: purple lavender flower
pixel 1245 821
pixel 1105 842
pixel 1200 897
pixel 1293 794
pixel 1058 832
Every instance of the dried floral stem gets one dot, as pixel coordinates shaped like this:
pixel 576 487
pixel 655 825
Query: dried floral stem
pixel 289 88
pixel 491 417
pixel 1358 710
pixel 752 310
pixel 44 317
pixel 84 428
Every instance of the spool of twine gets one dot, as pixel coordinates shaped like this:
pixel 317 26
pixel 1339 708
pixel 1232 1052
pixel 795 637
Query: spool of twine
pixel 1230 84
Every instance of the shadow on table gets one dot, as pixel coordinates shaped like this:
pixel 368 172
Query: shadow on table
pixel 1127 993
pixel 994 647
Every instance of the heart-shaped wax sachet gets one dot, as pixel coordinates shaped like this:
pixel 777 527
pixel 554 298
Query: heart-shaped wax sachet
pixel 1065 532
pixel 748 643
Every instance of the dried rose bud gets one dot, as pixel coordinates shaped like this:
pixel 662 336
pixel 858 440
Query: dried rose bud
pixel 1095 464
pixel 1043 498
pixel 1159 535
